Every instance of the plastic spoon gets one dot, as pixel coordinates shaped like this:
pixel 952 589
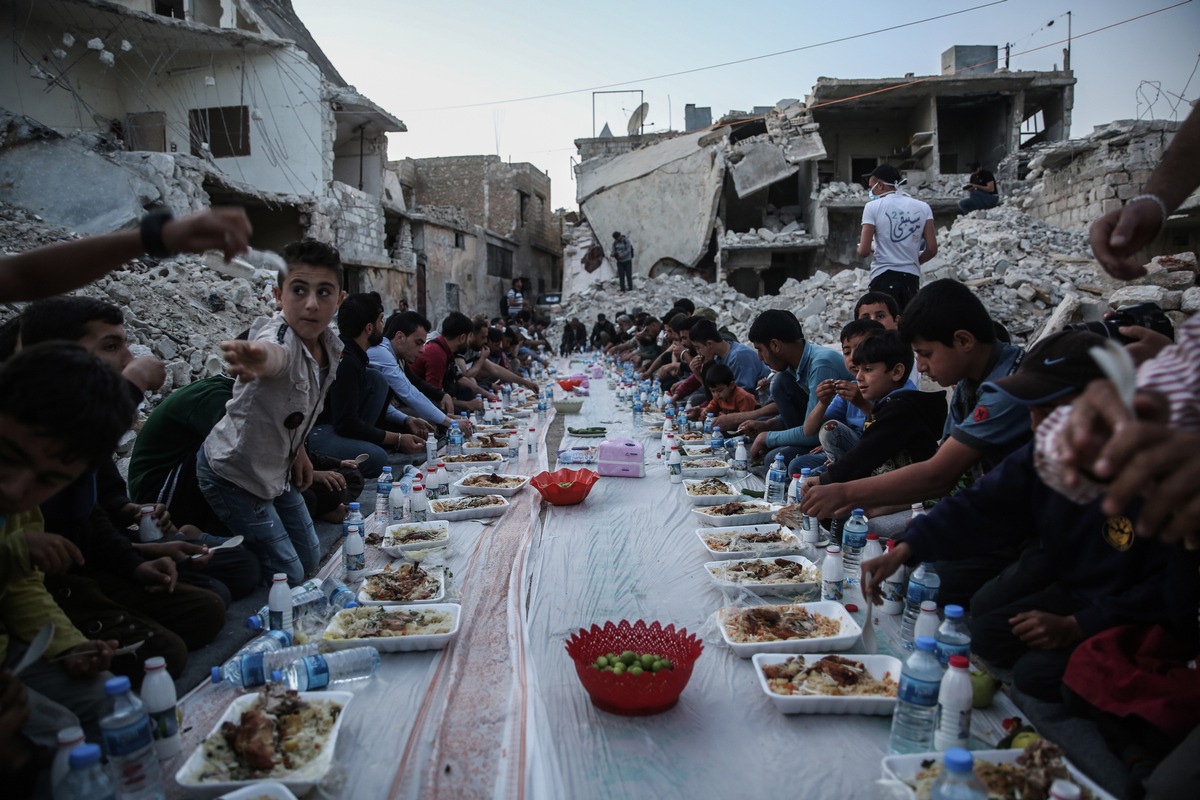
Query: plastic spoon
pixel 232 541
pixel 361 458
pixel 36 648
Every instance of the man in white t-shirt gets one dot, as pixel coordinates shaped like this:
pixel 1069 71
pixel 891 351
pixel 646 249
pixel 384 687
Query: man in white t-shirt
pixel 902 229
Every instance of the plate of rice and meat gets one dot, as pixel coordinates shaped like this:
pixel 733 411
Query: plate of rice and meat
pixel 405 537
pixel 393 629
pixel 800 628
pixel 829 683
pixel 748 541
pixel 459 508
pixel 403 583
pixel 477 459
pixel 274 733
pixel 481 483
pixel 709 492
pixel 748 512
pixel 779 575
pixel 705 468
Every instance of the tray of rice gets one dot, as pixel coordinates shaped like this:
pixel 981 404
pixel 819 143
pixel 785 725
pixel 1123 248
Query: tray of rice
pixel 829 683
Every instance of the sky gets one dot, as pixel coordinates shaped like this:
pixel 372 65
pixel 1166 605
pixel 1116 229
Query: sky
pixel 420 59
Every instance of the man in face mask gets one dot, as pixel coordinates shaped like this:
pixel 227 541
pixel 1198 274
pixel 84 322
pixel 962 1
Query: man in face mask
pixel 901 228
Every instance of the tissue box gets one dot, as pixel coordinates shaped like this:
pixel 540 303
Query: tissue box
pixel 621 458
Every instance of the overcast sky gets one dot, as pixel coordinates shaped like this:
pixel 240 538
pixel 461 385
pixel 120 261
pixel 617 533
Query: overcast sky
pixel 417 58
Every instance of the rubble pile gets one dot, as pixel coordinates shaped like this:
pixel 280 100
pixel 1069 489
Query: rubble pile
pixel 780 226
pixel 1033 277
pixel 929 188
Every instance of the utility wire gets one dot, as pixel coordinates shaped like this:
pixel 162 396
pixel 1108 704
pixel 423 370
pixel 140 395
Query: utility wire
pixel 888 29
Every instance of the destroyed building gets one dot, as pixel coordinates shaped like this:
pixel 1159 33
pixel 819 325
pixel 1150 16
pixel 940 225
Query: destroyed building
pixel 778 193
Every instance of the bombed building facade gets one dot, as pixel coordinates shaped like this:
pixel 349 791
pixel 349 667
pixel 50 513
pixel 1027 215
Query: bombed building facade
pixel 117 106
pixel 778 193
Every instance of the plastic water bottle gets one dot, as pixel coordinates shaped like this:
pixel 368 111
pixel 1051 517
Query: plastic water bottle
pixel 741 459
pixel 810 528
pixel 279 606
pixel 430 447
pixel 397 504
pixel 854 539
pixel 383 488
pixel 418 504
pixel 953 726
pixel 916 702
pixel 923 585
pixel 506 395
pixel 717 442
pixel 442 482
pixel 795 492
pixel 514 446
pixel 148 527
pixel 893 587
pixel 957 781
pixel 337 595
pixel 432 480
pixel 927 622
pixel 675 464
pixel 953 636
pixel 708 424
pixel 252 669
pixel 873 549
pixel 158 693
pixel 531 442
pixel 777 482
pixel 68 740
pixel 129 743
pixel 354 548
pixel 455 445
pixel 832 574
pixel 85 779
pixel 638 413
pixel 318 671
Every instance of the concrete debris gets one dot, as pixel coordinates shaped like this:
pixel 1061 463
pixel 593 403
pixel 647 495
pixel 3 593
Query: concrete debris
pixel 1033 277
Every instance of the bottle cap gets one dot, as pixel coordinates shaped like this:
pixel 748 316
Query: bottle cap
pixel 155 663
pixel 873 537
pixel 84 756
pixel 958 760
pixel 833 548
pixel 960 662
pixel 279 576
pixel 72 734
pixel 355 506
pixel 926 643
pixel 276 676
pixel 215 673
pixel 890 545
pixel 953 612
pixel 795 475
pixel 858 512
pixel 928 606
pixel 117 685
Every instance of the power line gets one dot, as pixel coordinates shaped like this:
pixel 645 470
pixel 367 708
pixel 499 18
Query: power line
pixel 888 29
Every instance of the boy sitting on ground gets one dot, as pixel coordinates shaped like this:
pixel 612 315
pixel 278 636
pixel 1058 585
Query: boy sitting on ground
pixel 727 396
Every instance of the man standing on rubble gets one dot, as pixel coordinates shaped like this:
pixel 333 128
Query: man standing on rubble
pixel 622 252
pixel 902 229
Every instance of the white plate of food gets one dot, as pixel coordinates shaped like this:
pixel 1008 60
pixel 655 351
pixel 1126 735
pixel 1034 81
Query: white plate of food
pixel 820 627
pixel 696 450
pixel 737 512
pixel 823 683
pixel 481 483
pixel 473 460
pixel 299 756
pixel 406 582
pixel 709 491
pixel 261 790
pixel 778 575
pixel 748 541
pixel 691 438
pixel 492 443
pixel 483 431
pixel 1002 771
pixel 394 628
pixel 404 537
pixel 459 508
pixel 705 468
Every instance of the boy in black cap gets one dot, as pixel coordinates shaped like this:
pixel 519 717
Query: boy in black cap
pixel 1083 571
pixel 902 228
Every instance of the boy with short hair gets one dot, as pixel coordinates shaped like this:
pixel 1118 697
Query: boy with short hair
pixel 253 466
pixel 904 424
pixel 727 396
pixel 879 306
pixel 955 344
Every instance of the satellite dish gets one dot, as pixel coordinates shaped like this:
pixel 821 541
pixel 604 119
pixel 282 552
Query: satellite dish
pixel 637 119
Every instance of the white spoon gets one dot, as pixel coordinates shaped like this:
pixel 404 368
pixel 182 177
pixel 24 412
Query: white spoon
pixel 361 458
pixel 232 541
pixel 36 648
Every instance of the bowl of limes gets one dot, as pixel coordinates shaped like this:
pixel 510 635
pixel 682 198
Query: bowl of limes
pixel 634 669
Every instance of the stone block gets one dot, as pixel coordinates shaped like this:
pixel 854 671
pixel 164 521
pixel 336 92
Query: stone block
pixel 1190 303
pixel 1131 295
pixel 1027 292
pixel 1110 205
pixel 1172 300
pixel 1116 178
pixel 1179 280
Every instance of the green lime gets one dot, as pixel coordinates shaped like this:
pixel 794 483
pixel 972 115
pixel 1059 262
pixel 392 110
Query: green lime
pixel 647 660
pixel 656 666
pixel 628 657
pixel 666 664
pixel 602 662
pixel 636 670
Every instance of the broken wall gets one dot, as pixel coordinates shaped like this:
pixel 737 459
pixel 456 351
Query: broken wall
pixel 456 276
pixel 871 136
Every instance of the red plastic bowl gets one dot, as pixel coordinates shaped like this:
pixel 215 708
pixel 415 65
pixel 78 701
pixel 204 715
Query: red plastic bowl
pixel 565 487
pixel 570 384
pixel 634 695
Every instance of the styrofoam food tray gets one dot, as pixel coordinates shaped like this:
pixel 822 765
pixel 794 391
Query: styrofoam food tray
pixel 749 518
pixel 459 466
pixel 298 781
pixel 845 638
pixel 261 790
pixel 697 450
pixel 471 447
pixel 397 550
pixel 482 490
pixel 439 573
pixel 707 499
pixel 714 569
pixel 878 666
pixel 706 472
pixel 905 768
pixel 399 644
pixel 496 510
pixel 759 551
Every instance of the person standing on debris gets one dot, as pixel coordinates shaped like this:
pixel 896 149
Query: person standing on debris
pixel 981 190
pixel 253 466
pixel 622 252
pixel 899 225
pixel 513 301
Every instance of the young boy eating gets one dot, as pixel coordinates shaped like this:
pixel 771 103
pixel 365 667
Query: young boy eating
pixel 253 467
pixel 727 396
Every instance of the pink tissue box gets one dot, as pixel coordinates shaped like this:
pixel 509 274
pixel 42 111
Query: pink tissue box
pixel 621 458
